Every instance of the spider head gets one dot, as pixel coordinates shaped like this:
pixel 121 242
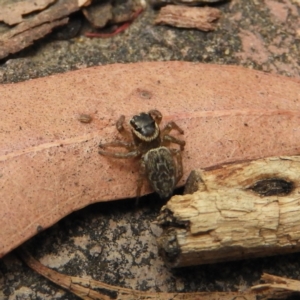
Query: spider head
pixel 144 127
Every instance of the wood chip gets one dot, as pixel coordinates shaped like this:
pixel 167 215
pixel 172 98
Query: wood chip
pixel 98 14
pixel 188 17
pixel 184 2
pixel 276 287
pixel 35 27
pixel 13 13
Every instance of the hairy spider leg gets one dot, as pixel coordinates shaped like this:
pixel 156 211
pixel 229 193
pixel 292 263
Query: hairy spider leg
pixel 140 181
pixel 156 115
pixel 167 138
pixel 120 127
pixel 130 154
pixel 170 126
pixel 129 146
pixel 120 124
pixel 177 154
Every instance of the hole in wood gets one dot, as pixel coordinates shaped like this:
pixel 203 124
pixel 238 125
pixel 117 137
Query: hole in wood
pixel 272 187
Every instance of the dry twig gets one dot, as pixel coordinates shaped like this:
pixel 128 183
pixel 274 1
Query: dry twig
pixel 89 289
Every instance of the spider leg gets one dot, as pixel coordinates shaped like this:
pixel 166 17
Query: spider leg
pixel 133 152
pixel 140 181
pixel 120 127
pixel 130 154
pixel 127 145
pixel 156 115
pixel 177 154
pixel 170 126
pixel 120 123
pixel 167 138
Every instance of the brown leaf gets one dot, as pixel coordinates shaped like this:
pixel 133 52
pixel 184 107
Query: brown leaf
pixel 49 161
pixel 13 13
pixel 188 17
pixel 33 28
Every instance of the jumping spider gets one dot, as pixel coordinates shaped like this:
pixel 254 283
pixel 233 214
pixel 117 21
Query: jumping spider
pixel 150 145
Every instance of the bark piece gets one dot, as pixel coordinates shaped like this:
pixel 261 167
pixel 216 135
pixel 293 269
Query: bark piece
pixel 185 2
pixel 239 210
pixel 188 17
pixel 98 14
pixel 13 13
pixel 49 161
pixel 31 29
pixel 276 287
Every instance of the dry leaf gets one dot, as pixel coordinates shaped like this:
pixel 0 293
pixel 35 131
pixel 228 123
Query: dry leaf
pixel 37 26
pixel 49 161
pixel 188 17
pixel 13 13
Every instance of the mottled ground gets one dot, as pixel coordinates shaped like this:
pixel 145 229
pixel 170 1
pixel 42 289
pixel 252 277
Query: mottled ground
pixel 116 242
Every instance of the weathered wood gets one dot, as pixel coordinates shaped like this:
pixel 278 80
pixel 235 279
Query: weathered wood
pixel 234 211
pixel 276 287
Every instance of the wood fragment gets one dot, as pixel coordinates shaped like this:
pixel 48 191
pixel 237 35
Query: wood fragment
pixel 37 26
pixel 182 2
pixel 240 210
pixel 25 39
pixel 13 13
pixel 201 18
pixel 89 289
pixel 276 287
pixel 98 14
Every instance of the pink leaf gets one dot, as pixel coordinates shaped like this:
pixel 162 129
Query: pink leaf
pixel 49 161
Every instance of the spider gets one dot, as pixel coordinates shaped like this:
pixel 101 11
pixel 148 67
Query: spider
pixel 149 144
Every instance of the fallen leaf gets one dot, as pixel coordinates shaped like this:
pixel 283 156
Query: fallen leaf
pixel 13 13
pixel 37 26
pixel 49 161
pixel 188 17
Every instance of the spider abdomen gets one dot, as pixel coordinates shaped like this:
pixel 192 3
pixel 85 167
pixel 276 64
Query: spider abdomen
pixel 160 169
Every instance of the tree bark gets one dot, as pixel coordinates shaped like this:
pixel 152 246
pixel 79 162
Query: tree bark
pixel 233 212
